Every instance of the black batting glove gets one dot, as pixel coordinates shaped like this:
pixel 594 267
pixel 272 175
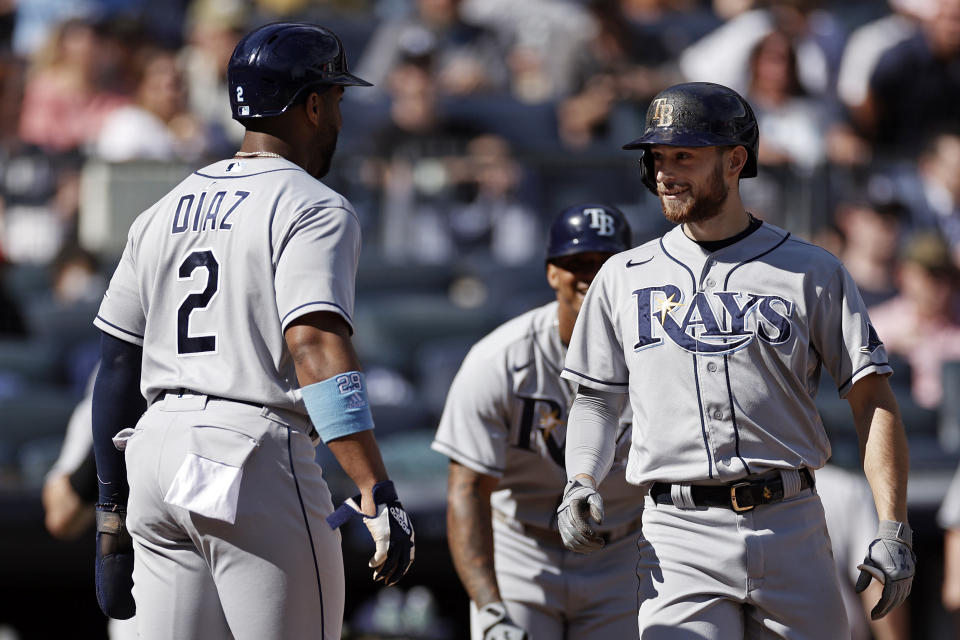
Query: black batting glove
pixel 114 568
pixel 390 528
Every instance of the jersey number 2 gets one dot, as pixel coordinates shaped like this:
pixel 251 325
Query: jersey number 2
pixel 187 344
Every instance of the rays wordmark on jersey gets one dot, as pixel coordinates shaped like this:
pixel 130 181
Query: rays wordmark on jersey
pixel 710 323
pixel 547 416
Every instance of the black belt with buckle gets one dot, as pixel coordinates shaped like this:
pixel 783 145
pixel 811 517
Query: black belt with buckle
pixel 740 496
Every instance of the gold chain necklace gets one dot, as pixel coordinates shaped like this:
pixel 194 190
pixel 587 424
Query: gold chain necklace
pixel 256 154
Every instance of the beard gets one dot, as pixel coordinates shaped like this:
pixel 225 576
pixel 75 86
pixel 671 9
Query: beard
pixel 699 206
pixel 327 148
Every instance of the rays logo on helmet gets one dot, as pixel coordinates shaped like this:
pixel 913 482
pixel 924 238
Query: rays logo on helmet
pixel 662 112
pixel 699 331
pixel 600 220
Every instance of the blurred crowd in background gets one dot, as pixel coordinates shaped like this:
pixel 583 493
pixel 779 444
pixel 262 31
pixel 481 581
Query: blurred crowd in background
pixel 487 118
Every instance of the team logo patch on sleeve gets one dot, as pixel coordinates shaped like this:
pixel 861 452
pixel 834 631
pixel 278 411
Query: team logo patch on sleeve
pixel 873 340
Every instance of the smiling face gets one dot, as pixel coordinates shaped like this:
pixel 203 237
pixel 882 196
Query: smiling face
pixel 690 181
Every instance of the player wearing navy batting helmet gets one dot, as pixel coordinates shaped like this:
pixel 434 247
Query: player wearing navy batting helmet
pixel 716 334
pixel 503 429
pixel 226 356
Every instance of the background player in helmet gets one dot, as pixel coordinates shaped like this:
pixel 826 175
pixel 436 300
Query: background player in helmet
pixel 231 311
pixel 503 428
pixel 717 332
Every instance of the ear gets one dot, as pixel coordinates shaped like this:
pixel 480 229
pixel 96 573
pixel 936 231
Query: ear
pixel 735 160
pixel 553 276
pixel 314 107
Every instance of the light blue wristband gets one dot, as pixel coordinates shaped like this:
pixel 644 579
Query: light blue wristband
pixel 338 406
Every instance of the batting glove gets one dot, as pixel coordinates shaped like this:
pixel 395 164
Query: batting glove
pixel 391 530
pixel 580 499
pixel 496 625
pixel 891 561
pixel 114 569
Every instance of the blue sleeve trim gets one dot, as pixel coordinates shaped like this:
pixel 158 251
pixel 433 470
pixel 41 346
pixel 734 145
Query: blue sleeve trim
pixel 120 329
pixel 338 406
pixel 604 382
pixel 283 321
pixel 878 365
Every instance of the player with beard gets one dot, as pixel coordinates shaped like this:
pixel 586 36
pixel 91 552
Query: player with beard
pixel 716 332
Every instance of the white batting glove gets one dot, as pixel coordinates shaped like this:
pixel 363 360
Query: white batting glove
pixel 391 530
pixel 580 499
pixel 496 625
pixel 890 560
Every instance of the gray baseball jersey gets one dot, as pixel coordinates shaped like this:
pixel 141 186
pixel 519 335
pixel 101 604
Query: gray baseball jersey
pixel 214 272
pixel 505 416
pixel 720 353
pixel 223 493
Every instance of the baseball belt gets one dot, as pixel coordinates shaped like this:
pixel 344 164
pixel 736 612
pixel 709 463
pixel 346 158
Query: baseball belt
pixel 182 391
pixel 741 496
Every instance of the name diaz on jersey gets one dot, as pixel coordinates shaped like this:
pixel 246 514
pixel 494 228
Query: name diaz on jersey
pixel 700 331
pixel 185 209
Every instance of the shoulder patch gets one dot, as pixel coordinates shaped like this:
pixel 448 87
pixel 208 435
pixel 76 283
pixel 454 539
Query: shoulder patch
pixel 873 340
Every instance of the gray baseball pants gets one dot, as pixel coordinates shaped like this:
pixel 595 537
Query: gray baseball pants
pixel 276 571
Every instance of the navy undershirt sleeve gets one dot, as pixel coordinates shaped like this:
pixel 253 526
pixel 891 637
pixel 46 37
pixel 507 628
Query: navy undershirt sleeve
pixel 117 404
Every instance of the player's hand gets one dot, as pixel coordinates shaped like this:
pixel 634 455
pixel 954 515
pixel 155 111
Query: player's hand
pixel 581 503
pixel 891 561
pixel 390 528
pixel 114 570
pixel 496 625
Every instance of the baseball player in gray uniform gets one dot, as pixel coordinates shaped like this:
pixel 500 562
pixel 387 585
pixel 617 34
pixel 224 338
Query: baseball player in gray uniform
pixel 716 332
pixel 503 428
pixel 230 314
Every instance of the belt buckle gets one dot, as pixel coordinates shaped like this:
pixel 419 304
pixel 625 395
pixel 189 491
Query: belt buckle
pixel 733 498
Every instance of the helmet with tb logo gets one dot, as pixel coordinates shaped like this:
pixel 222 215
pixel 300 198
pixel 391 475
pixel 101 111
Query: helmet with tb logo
pixel 588 227
pixel 698 114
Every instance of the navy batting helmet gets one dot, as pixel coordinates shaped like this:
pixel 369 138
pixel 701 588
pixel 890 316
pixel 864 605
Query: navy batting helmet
pixel 698 114
pixel 588 227
pixel 273 65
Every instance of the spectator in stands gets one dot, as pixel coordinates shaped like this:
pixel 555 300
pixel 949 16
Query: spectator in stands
pixel 931 187
pixel 922 323
pixel 214 28
pixel 791 124
pixel 466 58
pixel 870 228
pixel 914 87
pixel 158 124
pixel 628 61
pixel 868 42
pixel 545 37
pixel 64 103
pixel 76 277
pixel 412 166
pixel 418 127
pixel 723 55
pixel 494 224
pixel 11 317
